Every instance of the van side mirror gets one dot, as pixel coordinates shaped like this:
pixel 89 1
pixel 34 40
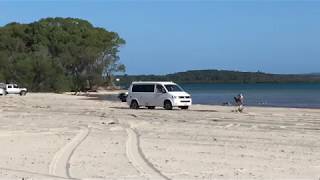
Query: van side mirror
pixel 163 91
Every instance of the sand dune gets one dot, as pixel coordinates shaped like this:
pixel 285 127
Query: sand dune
pixel 60 136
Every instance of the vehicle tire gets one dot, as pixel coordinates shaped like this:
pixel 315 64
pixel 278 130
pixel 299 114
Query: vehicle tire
pixel 167 105
pixel 134 104
pixel 184 107
pixel 23 93
pixel 151 107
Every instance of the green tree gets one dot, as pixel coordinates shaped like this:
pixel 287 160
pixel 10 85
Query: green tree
pixel 58 54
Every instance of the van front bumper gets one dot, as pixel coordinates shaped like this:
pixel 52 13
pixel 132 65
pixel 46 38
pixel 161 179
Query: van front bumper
pixel 182 102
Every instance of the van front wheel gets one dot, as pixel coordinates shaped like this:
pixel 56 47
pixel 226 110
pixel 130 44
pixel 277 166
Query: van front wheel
pixel 167 105
pixel 134 105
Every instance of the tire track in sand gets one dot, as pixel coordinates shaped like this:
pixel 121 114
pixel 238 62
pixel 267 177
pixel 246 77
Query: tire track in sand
pixel 59 165
pixel 137 158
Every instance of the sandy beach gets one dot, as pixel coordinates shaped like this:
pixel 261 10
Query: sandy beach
pixel 61 136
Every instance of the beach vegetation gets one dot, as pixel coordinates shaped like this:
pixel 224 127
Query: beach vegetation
pixel 58 54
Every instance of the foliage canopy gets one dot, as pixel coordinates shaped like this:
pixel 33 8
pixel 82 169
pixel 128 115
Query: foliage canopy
pixel 58 54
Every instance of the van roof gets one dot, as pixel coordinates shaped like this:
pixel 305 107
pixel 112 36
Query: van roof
pixel 153 82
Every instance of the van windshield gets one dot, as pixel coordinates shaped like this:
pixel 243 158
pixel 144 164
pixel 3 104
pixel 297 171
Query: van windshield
pixel 173 88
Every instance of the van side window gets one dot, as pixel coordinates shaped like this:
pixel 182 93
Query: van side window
pixel 10 86
pixel 143 88
pixel 15 86
pixel 160 89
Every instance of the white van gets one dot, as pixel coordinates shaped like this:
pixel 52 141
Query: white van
pixel 152 94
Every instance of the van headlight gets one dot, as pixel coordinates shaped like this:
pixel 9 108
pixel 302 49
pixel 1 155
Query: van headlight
pixel 174 97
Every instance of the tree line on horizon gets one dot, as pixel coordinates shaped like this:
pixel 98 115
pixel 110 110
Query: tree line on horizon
pixel 223 76
pixel 58 54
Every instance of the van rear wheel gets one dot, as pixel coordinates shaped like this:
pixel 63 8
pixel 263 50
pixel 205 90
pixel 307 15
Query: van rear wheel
pixel 134 105
pixel 167 105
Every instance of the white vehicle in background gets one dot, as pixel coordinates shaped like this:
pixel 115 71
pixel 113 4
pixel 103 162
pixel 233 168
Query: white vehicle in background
pixel 14 89
pixel 2 89
pixel 157 94
pixel 2 92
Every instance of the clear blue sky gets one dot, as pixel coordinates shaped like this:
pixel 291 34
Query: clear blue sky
pixel 170 36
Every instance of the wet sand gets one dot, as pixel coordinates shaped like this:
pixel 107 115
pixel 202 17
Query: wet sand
pixel 60 136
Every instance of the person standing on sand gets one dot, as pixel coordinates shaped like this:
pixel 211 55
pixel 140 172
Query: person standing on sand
pixel 239 102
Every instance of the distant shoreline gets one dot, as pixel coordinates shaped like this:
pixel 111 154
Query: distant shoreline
pixel 112 96
pixel 223 76
pixel 266 106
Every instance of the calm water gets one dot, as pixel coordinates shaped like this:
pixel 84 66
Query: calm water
pixel 282 95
